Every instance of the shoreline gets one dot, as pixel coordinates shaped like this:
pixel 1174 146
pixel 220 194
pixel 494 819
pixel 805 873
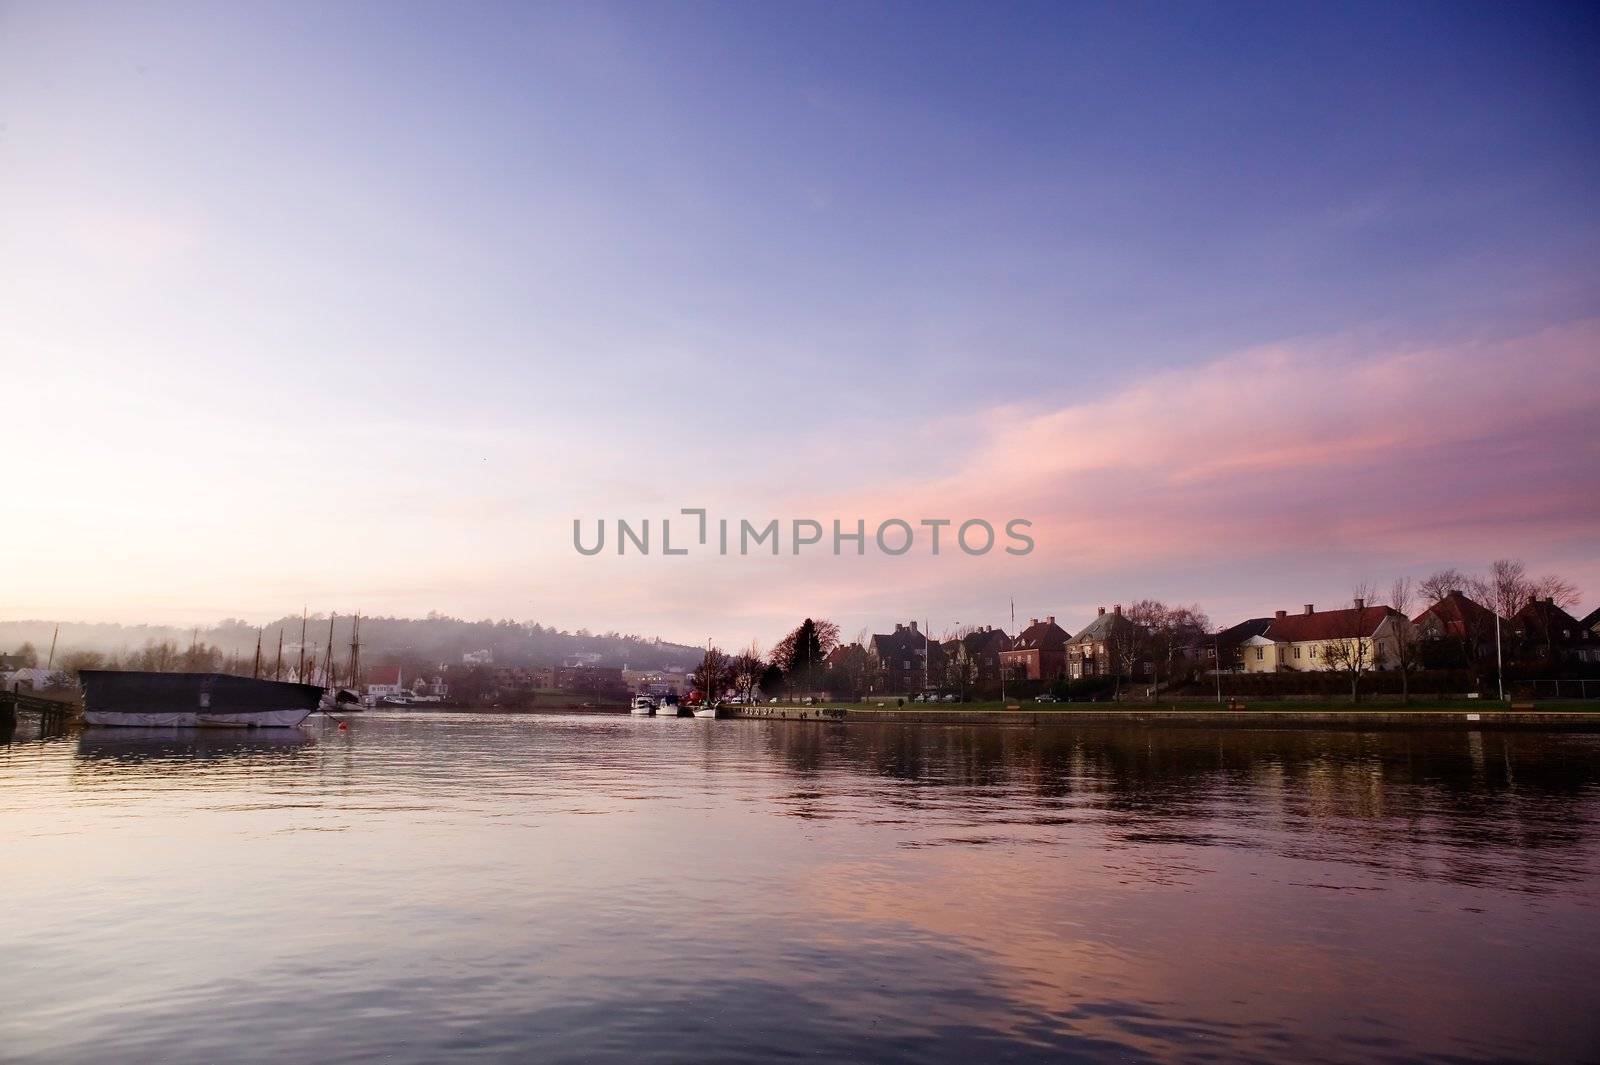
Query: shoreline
pixel 1316 718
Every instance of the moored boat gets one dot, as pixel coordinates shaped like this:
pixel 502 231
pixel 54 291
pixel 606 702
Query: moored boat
pixel 207 700
pixel 643 706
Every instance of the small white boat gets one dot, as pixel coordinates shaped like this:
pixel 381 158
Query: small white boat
pixel 643 706
pixel 706 710
pixel 668 708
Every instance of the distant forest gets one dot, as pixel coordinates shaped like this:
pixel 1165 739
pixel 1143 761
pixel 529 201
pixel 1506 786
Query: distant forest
pixel 428 641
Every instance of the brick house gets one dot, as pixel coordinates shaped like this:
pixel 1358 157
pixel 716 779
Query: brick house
pixel 898 661
pixel 1039 652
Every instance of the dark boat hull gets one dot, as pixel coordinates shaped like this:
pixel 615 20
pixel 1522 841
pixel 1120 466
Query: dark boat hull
pixel 210 700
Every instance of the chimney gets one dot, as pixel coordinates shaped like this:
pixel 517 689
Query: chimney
pixel 1117 610
pixel 1361 604
pixel 1032 622
pixel 1102 612
pixel 1455 593
pixel 899 627
pixel 1283 613
pixel 1051 619
pixel 1310 609
pixel 913 626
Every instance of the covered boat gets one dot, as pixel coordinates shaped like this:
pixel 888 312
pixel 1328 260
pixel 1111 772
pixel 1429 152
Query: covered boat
pixel 130 697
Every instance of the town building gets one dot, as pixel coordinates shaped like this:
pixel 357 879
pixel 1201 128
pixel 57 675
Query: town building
pixel 1301 641
pixel 899 661
pixel 1545 631
pixel 973 662
pixel 1093 652
pixel 1457 621
pixel 1039 652
pixel 1226 649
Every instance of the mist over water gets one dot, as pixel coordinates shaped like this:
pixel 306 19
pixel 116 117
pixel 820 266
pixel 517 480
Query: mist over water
pixel 439 886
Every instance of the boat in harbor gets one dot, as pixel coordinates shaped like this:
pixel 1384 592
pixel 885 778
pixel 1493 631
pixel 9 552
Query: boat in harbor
pixel 643 706
pixel 668 706
pixel 207 700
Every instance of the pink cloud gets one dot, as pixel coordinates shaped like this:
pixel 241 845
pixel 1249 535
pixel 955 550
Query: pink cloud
pixel 1319 454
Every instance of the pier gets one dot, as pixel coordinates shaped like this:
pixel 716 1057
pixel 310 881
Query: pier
pixel 53 714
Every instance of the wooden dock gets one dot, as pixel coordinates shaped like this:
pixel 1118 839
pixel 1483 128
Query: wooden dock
pixel 53 714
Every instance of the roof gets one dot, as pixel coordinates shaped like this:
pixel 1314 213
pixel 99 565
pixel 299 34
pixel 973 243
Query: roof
pixel 1237 634
pixel 1043 635
pixel 1103 626
pixel 1545 614
pixel 384 675
pixel 1591 621
pixel 1329 624
pixel 903 640
pixel 1456 610
pixel 986 641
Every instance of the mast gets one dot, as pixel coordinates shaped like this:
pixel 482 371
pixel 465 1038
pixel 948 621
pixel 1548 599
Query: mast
pixel 300 670
pixel 277 670
pixel 355 650
pixel 51 661
pixel 327 663
pixel 255 670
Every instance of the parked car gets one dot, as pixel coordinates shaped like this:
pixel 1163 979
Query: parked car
pixel 949 698
pixel 1045 698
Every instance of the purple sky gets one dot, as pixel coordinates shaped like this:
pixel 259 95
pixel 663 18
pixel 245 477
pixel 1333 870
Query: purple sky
pixel 361 307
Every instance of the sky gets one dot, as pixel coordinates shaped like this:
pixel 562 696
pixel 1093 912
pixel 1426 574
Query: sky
pixel 360 306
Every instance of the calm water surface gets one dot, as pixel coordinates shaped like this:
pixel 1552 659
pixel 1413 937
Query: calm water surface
pixel 441 887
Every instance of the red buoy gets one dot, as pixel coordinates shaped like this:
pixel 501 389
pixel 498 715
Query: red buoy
pixel 344 726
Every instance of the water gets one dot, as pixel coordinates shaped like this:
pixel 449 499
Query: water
pixel 464 887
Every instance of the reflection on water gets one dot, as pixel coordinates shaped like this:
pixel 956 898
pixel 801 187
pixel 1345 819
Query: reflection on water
pixel 426 887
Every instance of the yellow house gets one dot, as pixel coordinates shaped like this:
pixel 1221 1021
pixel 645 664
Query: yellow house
pixel 1303 641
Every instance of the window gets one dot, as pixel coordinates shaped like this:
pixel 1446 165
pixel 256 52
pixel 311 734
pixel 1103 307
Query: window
pixel 1261 652
pixel 1297 650
pixel 1313 650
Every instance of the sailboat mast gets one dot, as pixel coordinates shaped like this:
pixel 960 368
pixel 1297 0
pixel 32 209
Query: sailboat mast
pixel 327 667
pixel 255 670
pixel 355 651
pixel 300 670
pixel 277 669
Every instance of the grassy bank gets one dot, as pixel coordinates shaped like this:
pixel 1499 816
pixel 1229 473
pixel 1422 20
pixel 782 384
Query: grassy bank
pixel 1376 705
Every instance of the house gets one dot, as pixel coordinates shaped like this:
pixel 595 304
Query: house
pixel 1459 621
pixel 430 688
pixel 1589 634
pixel 1544 630
pixel 899 661
pixel 483 657
pixel 590 680
pixel 973 661
pixel 1093 652
pixel 384 680
pixel 1301 641
pixel 1227 648
pixel 1039 652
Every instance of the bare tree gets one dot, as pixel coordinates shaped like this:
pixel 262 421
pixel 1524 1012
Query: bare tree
pixel 714 674
pixel 1560 591
pixel 1508 590
pixel 1350 651
pixel 1440 583
pixel 747 668
pixel 1406 650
